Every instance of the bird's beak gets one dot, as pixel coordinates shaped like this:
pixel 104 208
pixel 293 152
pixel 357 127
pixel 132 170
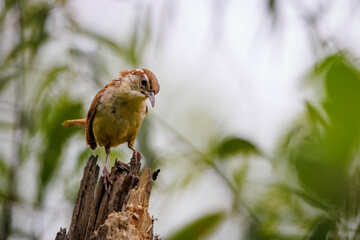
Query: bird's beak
pixel 151 96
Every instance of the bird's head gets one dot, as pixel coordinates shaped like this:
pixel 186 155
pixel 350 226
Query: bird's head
pixel 142 83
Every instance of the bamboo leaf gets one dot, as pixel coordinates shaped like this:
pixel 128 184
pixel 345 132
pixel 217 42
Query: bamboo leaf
pixel 232 146
pixel 199 228
pixel 321 229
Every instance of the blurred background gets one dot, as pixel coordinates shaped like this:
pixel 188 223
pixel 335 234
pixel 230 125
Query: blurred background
pixel 255 128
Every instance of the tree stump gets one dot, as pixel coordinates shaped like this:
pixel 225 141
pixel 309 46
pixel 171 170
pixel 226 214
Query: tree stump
pixel 121 213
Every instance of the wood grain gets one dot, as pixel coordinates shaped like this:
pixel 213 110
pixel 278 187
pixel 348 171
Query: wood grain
pixel 122 214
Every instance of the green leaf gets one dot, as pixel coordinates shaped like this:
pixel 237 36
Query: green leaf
pixel 232 146
pixel 321 170
pixel 199 228
pixel 321 229
pixel 324 64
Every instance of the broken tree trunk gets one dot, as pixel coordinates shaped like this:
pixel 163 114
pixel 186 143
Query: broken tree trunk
pixel 121 213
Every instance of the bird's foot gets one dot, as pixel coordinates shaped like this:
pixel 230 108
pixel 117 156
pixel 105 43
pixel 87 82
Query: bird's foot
pixel 136 156
pixel 107 180
pixel 135 163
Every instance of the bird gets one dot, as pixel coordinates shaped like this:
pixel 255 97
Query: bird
pixel 117 112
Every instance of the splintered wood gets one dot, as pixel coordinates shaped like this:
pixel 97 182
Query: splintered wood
pixel 122 214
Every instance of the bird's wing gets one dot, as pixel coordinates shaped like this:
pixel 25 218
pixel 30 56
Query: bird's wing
pixel 89 134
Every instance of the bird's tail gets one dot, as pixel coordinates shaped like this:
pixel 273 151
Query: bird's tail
pixel 74 123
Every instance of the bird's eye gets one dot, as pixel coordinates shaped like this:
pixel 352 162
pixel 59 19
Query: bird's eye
pixel 143 82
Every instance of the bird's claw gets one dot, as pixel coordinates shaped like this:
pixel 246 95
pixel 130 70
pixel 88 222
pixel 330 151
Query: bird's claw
pixel 107 180
pixel 136 156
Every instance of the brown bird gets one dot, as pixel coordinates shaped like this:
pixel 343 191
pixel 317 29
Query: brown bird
pixel 117 111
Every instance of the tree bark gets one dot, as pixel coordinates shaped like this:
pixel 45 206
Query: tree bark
pixel 120 213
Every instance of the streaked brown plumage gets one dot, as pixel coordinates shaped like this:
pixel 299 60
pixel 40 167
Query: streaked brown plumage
pixel 117 111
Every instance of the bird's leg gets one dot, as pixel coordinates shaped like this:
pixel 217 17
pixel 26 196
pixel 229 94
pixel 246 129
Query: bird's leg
pixel 106 174
pixel 136 154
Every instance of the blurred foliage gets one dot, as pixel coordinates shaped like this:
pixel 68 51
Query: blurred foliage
pixel 324 156
pixel 321 152
pixel 317 196
pixel 320 196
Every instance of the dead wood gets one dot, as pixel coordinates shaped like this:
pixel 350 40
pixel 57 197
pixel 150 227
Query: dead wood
pixel 120 214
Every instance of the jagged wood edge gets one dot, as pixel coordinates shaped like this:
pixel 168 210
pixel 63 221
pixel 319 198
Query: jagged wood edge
pixel 88 215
